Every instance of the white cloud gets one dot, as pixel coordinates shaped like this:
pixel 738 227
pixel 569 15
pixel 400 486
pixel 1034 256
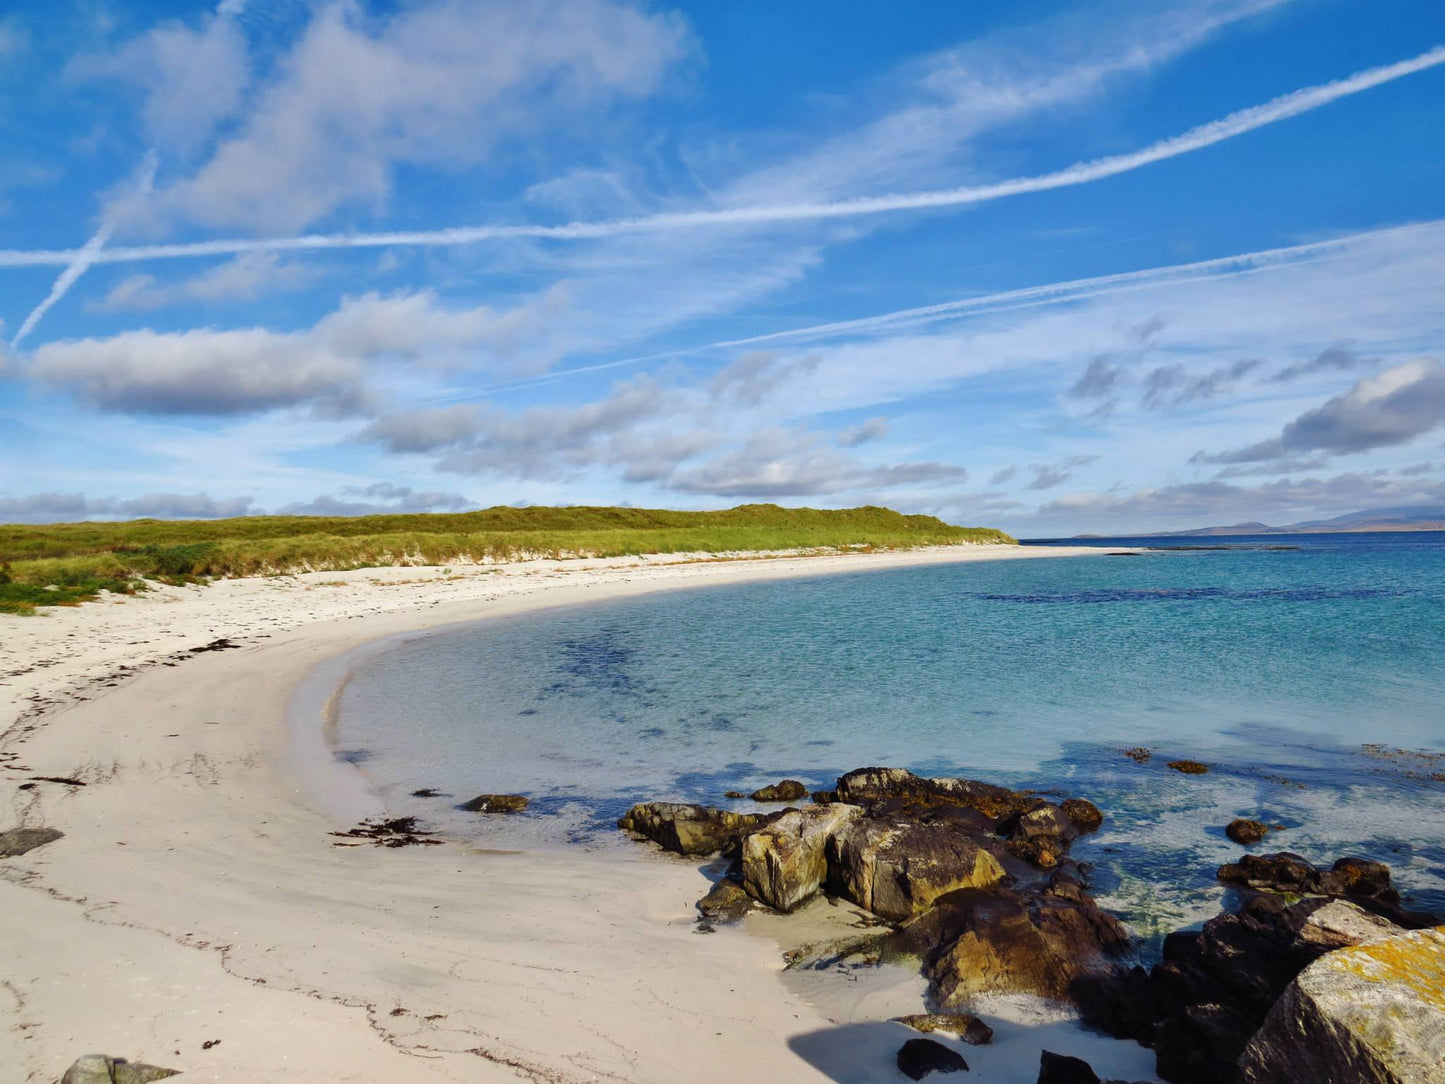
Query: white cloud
pixel 377 499
pixel 243 278
pixel 776 462
pixel 248 189
pixel 191 78
pixel 439 84
pixel 1219 503
pixel 1392 407
pixel 63 507
pixel 252 369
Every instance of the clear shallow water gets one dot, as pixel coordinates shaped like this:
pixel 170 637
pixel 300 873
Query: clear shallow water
pixel 1277 666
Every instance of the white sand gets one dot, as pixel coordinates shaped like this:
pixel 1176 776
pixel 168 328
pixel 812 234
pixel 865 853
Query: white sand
pixel 197 896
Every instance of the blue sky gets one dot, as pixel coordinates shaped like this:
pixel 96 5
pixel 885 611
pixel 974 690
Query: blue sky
pixel 1049 266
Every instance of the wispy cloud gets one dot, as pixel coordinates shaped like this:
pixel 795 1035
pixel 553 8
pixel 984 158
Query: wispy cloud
pixel 1054 293
pixel 1235 124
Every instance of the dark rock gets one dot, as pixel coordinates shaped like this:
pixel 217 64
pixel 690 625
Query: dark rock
pixel 919 1057
pixel 789 790
pixel 688 829
pixel 733 795
pixel 1083 813
pixel 1041 835
pixel 865 786
pixel 1212 991
pixel 966 1026
pixel 727 901
pixel 426 792
pixel 1062 1069
pixel 1188 767
pixel 1246 832
pixel 784 862
pixel 18 841
pixel 1139 754
pixel 895 865
pixel 1038 941
pixel 1360 880
pixel 824 797
pixel 496 803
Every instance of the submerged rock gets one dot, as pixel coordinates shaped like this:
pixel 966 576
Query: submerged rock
pixel 1372 1014
pixel 789 790
pixel 1246 832
pixel 688 829
pixel 497 803
pixel 965 1025
pixel 919 1057
pixel 727 901
pixel 18 841
pixel 100 1069
pixel 784 863
pixel 1188 767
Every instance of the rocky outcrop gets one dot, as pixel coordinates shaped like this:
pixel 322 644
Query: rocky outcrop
pixel 100 1069
pixel 1085 814
pixel 1041 835
pixel 1360 880
pixel 864 786
pixel 895 865
pixel 1035 830
pixel 965 1025
pixel 727 902
pixel 919 1057
pixel 1212 991
pixel 1369 1014
pixel 688 829
pixel 1246 832
pixel 788 790
pixel 784 862
pixel 18 841
pixel 496 803
pixel 1039 941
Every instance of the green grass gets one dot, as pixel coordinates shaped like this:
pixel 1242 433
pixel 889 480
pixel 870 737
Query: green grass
pixel 55 564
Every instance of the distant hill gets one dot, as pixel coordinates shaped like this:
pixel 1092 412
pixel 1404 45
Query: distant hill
pixel 1415 518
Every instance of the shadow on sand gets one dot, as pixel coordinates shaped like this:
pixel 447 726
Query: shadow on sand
pixel 866 1052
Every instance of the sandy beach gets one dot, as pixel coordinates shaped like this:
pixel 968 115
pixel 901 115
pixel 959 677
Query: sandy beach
pixel 198 915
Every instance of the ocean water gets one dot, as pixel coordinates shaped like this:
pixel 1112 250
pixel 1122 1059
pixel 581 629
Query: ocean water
pixel 1307 671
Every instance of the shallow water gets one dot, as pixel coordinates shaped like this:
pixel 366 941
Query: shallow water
pixel 1278 666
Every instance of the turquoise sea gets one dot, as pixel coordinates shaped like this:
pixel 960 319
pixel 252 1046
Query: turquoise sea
pixel 1308 671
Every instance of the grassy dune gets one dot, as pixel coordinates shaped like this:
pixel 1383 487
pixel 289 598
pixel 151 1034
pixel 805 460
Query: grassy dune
pixel 64 563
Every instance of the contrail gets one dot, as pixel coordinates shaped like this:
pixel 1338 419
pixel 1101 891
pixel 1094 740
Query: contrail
pixel 86 255
pixel 1205 135
pixel 89 253
pixel 1244 263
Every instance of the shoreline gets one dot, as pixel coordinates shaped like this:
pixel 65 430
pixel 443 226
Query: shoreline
pixel 195 831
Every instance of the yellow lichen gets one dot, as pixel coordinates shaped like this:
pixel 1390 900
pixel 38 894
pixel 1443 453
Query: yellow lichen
pixel 1415 961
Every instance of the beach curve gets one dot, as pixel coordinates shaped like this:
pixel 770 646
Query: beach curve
pixel 194 831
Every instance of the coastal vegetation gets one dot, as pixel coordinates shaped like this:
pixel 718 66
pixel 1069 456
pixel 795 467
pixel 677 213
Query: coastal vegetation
pixel 64 563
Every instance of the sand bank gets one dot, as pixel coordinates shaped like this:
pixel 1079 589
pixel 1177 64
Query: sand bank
pixel 197 896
